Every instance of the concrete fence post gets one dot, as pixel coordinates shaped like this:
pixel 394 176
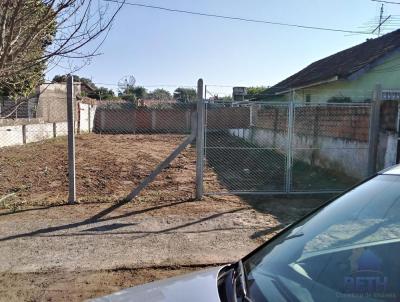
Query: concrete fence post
pixel 102 120
pixel 54 130
pixel 24 134
pixel 134 120
pixel 289 150
pixel 251 112
pixel 200 141
pixel 187 119
pixel 374 130
pixel 398 133
pixel 153 120
pixel 71 140
pixel 89 113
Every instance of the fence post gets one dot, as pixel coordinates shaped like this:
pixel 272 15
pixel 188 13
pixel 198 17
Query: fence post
pixel 54 130
pixel 153 120
pixel 374 129
pixel 200 141
pixel 24 134
pixel 289 150
pixel 71 140
pixel 89 116
pixel 398 134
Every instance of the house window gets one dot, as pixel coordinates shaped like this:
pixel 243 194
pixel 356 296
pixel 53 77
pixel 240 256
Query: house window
pixel 308 98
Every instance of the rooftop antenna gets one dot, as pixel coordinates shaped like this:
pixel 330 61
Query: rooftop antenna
pixel 381 21
pixel 126 82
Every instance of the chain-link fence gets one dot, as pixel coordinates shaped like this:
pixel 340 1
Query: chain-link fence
pixel 33 148
pixel 249 147
pixel 127 143
pixel 286 147
pixel 117 145
pixel 242 158
pixel 329 146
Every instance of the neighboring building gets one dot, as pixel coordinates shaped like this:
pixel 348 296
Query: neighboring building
pixel 52 100
pixel 350 75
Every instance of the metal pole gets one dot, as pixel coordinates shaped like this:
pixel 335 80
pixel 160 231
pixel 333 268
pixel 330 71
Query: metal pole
pixel 200 141
pixel 374 130
pixel 71 140
pixel 289 150
pixel 398 134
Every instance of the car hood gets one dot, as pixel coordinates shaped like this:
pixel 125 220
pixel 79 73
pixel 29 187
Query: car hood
pixel 194 287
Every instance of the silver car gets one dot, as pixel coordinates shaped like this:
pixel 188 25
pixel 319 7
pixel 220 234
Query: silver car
pixel 346 250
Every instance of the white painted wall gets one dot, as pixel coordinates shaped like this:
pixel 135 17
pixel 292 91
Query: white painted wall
pixel 62 129
pixel 87 117
pixel 38 132
pixel 11 136
pixel 348 156
pixel 35 131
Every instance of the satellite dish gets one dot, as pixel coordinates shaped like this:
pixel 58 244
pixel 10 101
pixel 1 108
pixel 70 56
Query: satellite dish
pixel 126 82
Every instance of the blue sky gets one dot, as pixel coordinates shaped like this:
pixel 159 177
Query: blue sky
pixel 161 48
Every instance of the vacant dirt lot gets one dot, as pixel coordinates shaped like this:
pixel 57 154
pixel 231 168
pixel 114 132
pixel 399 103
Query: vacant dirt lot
pixel 56 252
pixel 107 167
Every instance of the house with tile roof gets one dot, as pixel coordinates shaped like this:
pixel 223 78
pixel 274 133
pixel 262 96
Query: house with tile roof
pixel 347 76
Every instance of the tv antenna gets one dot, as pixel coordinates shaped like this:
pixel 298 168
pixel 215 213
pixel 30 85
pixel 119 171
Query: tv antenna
pixel 126 82
pixel 381 21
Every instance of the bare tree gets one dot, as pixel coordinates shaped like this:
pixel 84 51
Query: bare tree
pixel 37 33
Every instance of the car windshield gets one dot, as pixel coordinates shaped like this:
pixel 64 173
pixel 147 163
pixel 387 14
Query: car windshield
pixel 347 251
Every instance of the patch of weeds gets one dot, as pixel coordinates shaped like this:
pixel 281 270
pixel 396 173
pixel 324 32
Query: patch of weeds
pixel 11 202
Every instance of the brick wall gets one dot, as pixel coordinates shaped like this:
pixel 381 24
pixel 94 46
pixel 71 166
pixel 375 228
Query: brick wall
pixel 342 122
pixel 228 118
pixel 388 118
pixel 142 120
pixel 333 121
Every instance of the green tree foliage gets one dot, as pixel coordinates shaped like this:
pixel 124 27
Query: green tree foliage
pixel 35 34
pixel 98 93
pixel 159 94
pixel 63 79
pixel 133 94
pixel 185 95
pixel 19 47
pixel 101 93
pixel 255 91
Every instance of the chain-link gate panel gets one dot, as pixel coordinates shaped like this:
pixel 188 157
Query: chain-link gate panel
pixel 246 148
pixel 285 147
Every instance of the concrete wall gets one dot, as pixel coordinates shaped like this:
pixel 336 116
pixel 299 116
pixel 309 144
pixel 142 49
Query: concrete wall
pixel 348 156
pixel 11 135
pixel 24 131
pixel 52 102
pixel 87 114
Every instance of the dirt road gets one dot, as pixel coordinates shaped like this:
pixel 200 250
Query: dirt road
pixel 44 249
pixel 56 252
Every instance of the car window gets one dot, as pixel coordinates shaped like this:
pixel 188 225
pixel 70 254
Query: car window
pixel 348 250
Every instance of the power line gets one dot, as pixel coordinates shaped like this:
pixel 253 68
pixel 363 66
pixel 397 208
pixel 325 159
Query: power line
pixel 239 18
pixel 388 2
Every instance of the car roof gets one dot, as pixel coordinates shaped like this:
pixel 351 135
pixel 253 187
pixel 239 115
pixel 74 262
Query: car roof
pixel 394 170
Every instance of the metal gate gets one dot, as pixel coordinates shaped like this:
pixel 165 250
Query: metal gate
pixel 275 148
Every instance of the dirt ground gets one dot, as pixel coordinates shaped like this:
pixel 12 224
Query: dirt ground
pixel 56 252
pixel 107 168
